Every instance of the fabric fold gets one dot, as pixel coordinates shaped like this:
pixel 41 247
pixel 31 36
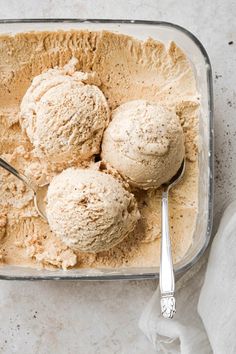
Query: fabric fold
pixel 206 302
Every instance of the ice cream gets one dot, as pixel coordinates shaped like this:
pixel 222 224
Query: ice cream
pixel 128 69
pixel 64 116
pixel 144 142
pixel 90 210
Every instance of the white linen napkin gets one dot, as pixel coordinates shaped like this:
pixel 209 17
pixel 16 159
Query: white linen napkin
pixel 205 321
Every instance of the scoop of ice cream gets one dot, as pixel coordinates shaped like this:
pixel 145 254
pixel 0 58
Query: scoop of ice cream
pixel 145 143
pixel 90 210
pixel 64 115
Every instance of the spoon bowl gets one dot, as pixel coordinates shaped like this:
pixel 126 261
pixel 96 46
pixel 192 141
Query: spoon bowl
pixel 40 192
pixel 40 203
pixel 176 178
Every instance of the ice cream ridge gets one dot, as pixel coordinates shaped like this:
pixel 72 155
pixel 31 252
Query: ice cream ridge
pixel 106 120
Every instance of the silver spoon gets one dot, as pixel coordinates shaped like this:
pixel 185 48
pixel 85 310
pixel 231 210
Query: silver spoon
pixel 167 279
pixel 40 192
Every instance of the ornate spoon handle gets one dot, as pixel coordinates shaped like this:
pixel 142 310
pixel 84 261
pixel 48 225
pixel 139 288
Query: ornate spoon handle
pixel 167 279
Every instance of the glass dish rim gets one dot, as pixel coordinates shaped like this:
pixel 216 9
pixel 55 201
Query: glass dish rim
pixel 153 275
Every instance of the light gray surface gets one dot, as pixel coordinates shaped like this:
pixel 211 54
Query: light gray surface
pixel 102 318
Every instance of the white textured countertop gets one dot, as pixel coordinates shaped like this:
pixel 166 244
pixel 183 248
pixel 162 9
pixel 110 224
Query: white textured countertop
pixel 89 318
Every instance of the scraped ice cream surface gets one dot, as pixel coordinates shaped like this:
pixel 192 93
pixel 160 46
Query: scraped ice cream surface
pixel 59 93
pixel 145 143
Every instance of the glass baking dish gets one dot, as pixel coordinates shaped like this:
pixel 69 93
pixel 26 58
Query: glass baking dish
pixel 196 53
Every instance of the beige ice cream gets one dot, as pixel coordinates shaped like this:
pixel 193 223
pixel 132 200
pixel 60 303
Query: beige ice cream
pixel 64 116
pixel 128 69
pixel 90 210
pixel 145 143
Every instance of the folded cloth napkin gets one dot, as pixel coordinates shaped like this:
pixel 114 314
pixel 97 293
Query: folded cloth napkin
pixel 205 321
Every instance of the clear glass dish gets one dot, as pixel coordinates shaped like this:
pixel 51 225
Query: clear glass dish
pixel 198 56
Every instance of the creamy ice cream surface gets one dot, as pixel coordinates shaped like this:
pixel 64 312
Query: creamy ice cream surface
pixel 64 116
pixel 109 69
pixel 145 143
pixel 90 210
